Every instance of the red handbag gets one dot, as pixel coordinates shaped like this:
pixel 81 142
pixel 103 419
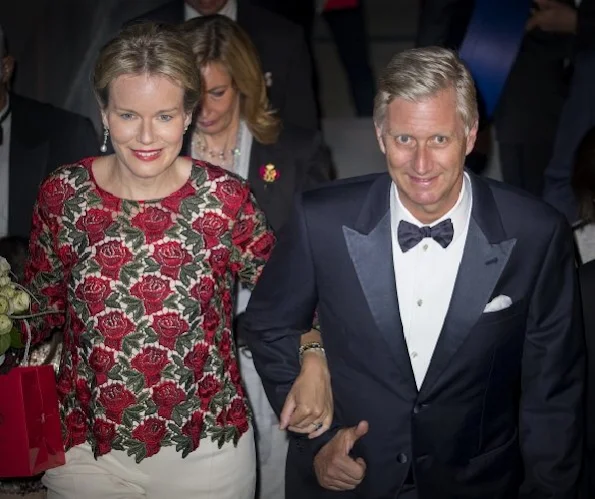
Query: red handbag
pixel 30 428
pixel 340 4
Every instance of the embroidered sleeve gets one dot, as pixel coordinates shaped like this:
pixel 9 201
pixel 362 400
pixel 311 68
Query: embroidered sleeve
pixel 252 241
pixel 44 274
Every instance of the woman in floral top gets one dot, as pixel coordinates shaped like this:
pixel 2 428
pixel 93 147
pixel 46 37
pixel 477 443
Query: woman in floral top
pixel 138 252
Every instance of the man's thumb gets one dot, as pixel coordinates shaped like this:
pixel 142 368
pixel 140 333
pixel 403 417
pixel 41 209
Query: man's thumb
pixel 360 430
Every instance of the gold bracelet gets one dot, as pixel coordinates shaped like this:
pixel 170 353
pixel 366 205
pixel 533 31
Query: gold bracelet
pixel 313 345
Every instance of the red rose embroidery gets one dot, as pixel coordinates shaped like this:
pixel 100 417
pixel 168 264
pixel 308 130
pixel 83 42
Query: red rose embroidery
pixel 152 291
pixel 225 347
pixel 208 387
pixel 153 222
pixel 67 256
pixel 94 223
pixel 104 433
pixel 196 359
pixel 169 327
pixel 234 373
pixel 77 326
pixel 101 361
pixel 166 396
pixel 218 260
pixel 65 384
pixel 173 202
pixel 232 195
pixel 94 291
pixel 210 321
pixel 193 428
pixel 263 246
pixel 235 415
pixel 227 302
pixel 150 362
pixel 76 428
pixel 243 232
pixel 213 172
pixel 212 227
pixel 111 257
pixel 83 393
pixel 116 398
pixel 171 256
pixel 151 432
pixel 114 326
pixel 39 260
pixel 203 291
pixel 54 194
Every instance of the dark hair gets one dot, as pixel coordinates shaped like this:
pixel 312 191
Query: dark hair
pixel 583 176
pixel 148 48
pixel 15 249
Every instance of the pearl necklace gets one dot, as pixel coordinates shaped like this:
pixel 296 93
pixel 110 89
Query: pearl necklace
pixel 221 157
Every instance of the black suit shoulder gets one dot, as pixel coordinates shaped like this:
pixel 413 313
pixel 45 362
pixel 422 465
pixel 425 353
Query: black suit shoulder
pixel 258 21
pixel 524 215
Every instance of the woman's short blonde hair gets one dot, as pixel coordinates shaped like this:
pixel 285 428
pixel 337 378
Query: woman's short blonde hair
pixel 148 48
pixel 217 39
pixel 417 74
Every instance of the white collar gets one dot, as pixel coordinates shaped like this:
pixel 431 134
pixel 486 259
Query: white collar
pixel 230 9
pixel 458 214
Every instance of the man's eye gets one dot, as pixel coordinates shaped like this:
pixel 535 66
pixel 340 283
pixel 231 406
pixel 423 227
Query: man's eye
pixel 126 116
pixel 440 139
pixel 165 117
pixel 403 139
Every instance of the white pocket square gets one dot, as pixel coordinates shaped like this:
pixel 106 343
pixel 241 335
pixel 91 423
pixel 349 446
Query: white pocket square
pixel 499 303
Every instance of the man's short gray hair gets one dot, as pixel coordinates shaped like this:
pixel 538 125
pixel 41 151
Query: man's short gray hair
pixel 420 73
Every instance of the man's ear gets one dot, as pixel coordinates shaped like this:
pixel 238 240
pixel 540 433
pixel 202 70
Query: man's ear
pixel 7 70
pixel 380 138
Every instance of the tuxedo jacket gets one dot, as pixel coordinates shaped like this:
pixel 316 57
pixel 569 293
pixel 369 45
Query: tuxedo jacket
pixel 42 138
pixel 283 53
pixel 586 274
pixel 498 415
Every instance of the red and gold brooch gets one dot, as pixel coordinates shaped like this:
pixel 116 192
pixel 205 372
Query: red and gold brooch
pixel 269 173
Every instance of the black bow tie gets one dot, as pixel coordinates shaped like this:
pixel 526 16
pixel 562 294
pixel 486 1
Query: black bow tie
pixel 2 118
pixel 410 235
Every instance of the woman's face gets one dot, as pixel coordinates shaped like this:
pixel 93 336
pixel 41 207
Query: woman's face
pixel 146 119
pixel 221 104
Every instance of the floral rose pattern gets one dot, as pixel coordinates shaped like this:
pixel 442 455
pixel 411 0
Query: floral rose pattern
pixel 142 291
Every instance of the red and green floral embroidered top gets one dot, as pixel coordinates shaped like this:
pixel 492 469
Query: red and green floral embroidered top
pixel 144 294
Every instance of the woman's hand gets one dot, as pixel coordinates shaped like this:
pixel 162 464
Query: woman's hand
pixel 308 408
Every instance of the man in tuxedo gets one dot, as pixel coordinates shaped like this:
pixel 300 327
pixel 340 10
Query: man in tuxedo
pixel 448 310
pixel 280 44
pixel 35 139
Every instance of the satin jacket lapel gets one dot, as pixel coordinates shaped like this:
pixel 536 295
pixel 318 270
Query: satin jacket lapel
pixel 370 247
pixel 485 255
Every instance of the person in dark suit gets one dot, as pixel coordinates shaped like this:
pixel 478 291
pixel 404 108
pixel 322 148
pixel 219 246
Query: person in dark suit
pixel 448 310
pixel 237 129
pixel 36 139
pixel 531 100
pixel 586 275
pixel 281 47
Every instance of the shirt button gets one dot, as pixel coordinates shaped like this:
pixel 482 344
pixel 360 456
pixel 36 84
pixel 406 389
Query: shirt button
pixel 420 302
pixel 425 247
pixel 402 458
pixel 413 354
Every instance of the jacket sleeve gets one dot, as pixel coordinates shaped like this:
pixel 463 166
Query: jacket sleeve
pixel 281 309
pixel 552 378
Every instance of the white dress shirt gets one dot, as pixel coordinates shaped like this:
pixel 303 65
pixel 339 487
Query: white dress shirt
pixel 230 9
pixel 4 172
pixel 425 277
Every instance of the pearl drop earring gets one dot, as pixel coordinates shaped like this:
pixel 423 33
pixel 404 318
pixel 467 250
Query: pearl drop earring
pixel 103 147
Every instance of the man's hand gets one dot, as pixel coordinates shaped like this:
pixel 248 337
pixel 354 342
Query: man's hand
pixel 554 17
pixel 309 406
pixel 334 468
